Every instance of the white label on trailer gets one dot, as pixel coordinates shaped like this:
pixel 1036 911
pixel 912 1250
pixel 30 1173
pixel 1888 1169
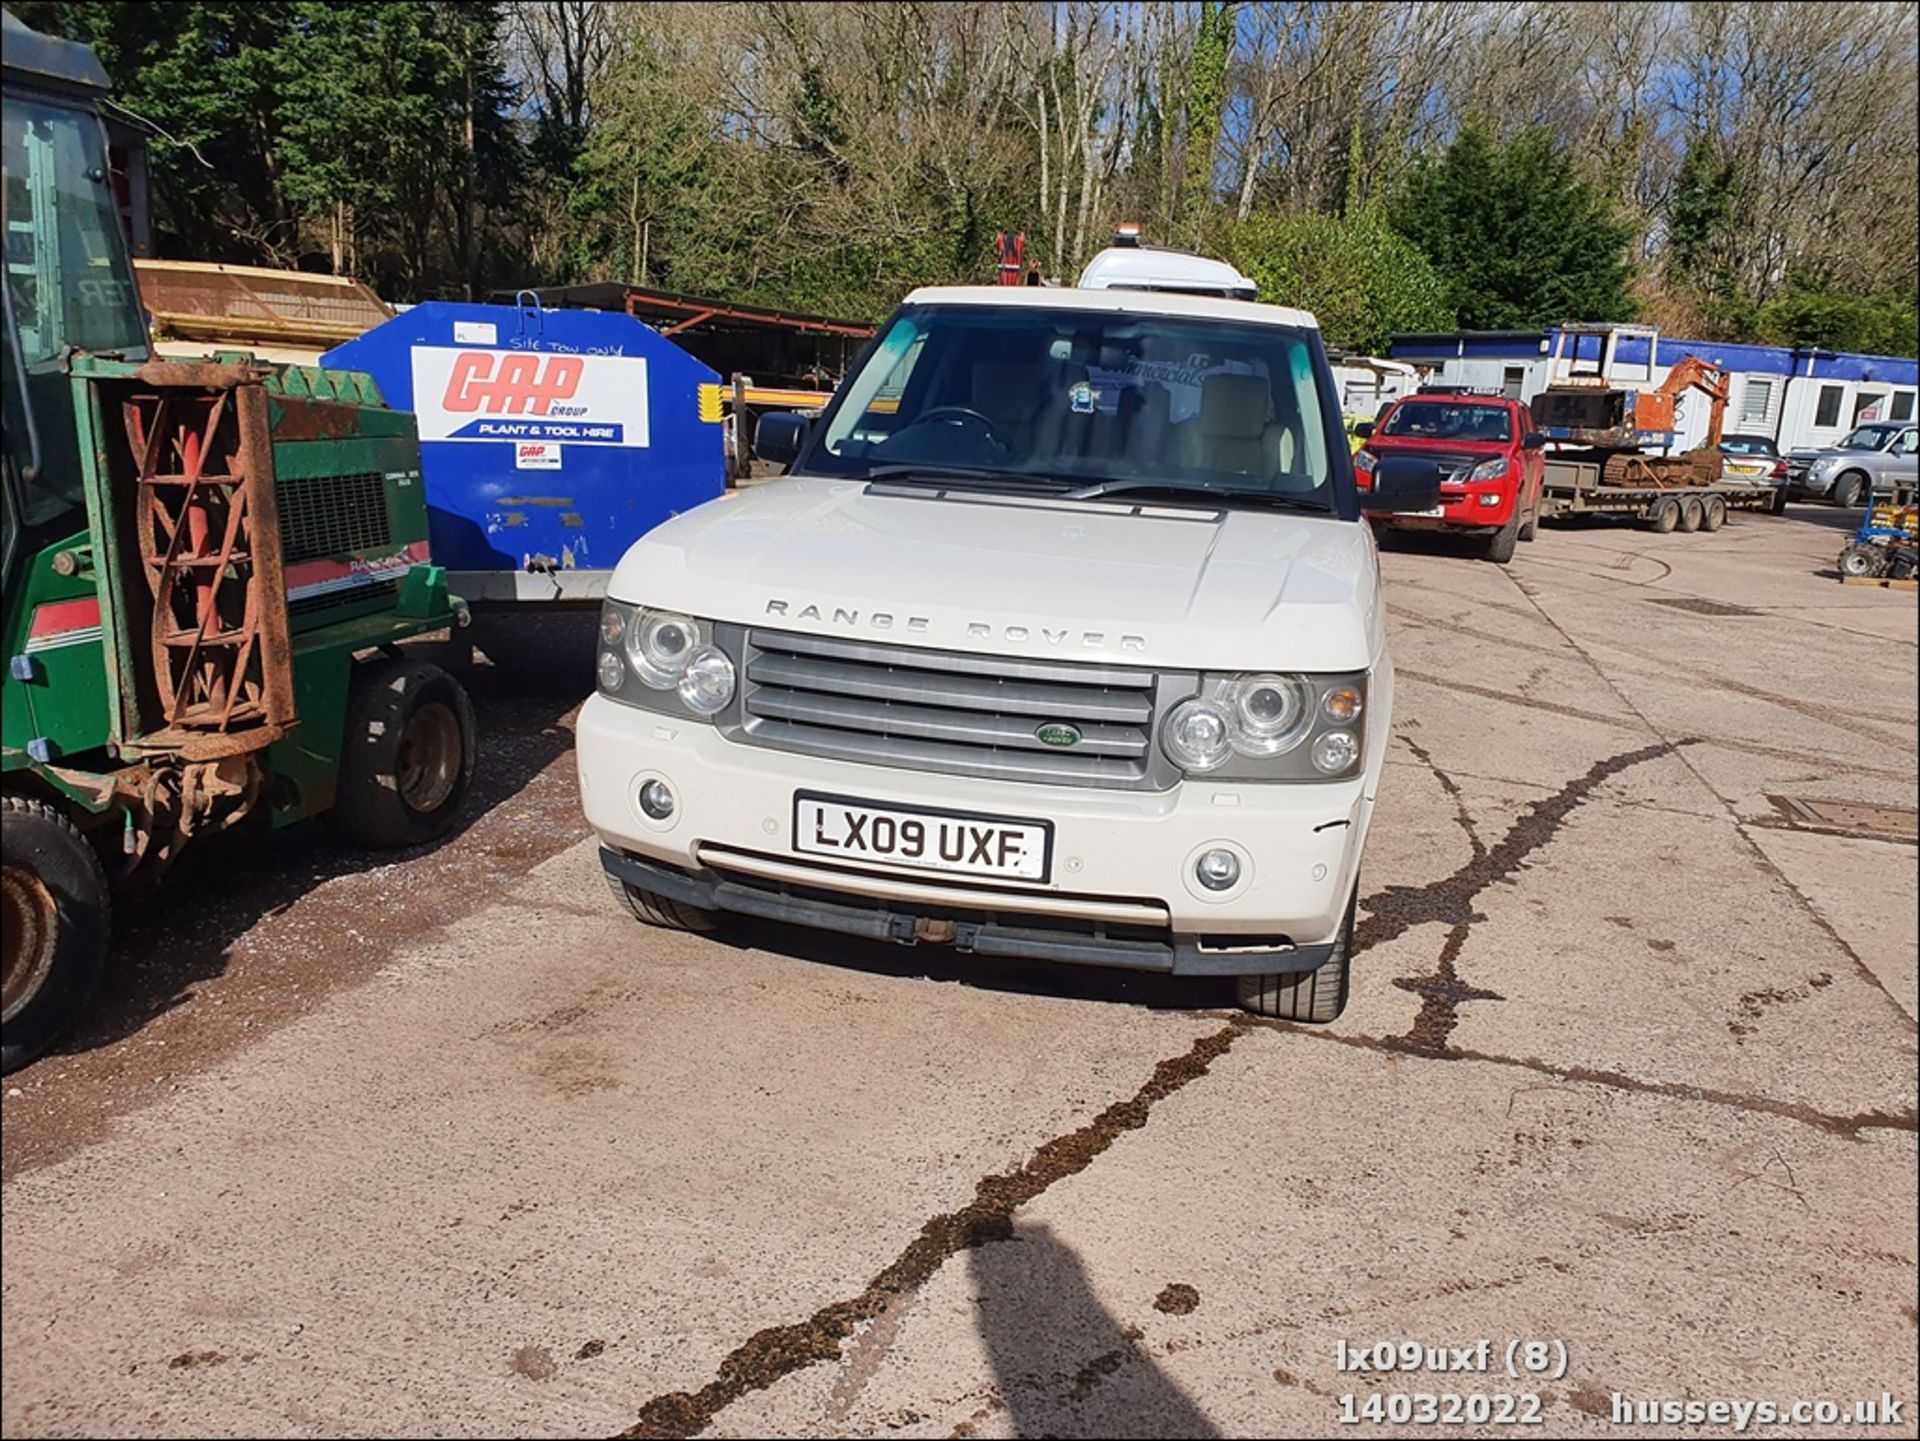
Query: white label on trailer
pixel 525 395
pixel 536 455
pixel 475 332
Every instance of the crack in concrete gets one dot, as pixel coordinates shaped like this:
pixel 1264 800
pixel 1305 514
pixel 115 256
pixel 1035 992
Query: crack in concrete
pixel 1450 899
pixel 1851 1127
pixel 1860 968
pixel 771 1355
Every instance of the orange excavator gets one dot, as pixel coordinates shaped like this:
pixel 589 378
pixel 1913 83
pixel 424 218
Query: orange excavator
pixel 1586 403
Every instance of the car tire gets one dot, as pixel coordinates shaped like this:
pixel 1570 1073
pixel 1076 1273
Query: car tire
pixel 1315 996
pixel 1691 515
pixel 1498 547
pixel 57 916
pixel 1663 515
pixel 1849 490
pixel 1778 505
pixel 406 762
pixel 661 912
pixel 1713 513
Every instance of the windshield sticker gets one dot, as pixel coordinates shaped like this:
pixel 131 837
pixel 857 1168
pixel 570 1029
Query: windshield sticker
pixel 1083 397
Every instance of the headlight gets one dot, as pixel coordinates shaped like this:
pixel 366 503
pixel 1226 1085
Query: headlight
pixel 659 645
pixel 1195 735
pixel 1488 469
pixel 663 661
pixel 706 685
pixel 1271 714
pixel 1269 727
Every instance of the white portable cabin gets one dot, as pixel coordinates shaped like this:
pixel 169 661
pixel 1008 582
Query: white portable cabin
pixel 1803 399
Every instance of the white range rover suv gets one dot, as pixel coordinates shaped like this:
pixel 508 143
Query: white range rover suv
pixel 1062 638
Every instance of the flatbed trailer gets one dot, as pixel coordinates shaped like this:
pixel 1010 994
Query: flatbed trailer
pixel 1574 486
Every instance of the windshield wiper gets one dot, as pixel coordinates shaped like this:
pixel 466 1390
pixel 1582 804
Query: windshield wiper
pixel 1196 493
pixel 936 474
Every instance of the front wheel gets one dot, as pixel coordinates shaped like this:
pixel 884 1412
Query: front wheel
pixel 662 912
pixel 1848 490
pixel 1499 545
pixel 1315 996
pixel 407 759
pixel 55 918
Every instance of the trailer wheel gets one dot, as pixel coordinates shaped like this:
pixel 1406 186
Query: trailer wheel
pixel 1663 515
pixel 55 918
pixel 1316 996
pixel 1691 514
pixel 1713 514
pixel 406 762
pixel 1862 559
pixel 662 912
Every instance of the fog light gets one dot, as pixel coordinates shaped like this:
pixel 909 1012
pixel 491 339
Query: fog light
pixel 656 800
pixel 1491 498
pixel 1217 870
pixel 1336 751
pixel 612 671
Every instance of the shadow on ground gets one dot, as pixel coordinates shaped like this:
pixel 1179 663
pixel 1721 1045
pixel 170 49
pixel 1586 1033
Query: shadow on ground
pixel 178 936
pixel 1063 1364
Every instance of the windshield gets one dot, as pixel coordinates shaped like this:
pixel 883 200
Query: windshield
pixel 1868 437
pixel 1071 397
pixel 67 278
pixel 1442 420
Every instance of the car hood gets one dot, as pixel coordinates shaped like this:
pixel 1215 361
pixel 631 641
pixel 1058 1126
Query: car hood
pixel 1094 581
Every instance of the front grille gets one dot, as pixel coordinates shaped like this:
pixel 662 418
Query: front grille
pixel 961 714
pixel 332 515
pixel 383 591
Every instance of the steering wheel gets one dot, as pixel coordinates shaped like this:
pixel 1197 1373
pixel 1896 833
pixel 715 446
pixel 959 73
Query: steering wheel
pixel 963 414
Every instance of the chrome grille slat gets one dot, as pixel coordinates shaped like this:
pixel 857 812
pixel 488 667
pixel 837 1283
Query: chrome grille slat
pixel 1048 702
pixel 1050 767
pixel 954 662
pixel 902 706
pixel 934 723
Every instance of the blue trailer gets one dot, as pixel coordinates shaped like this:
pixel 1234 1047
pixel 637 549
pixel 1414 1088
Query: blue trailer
pixel 550 440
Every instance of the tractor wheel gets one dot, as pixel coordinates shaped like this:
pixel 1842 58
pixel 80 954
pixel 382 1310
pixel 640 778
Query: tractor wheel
pixel 1862 559
pixel 1663 515
pixel 55 918
pixel 407 758
pixel 1714 513
pixel 1692 514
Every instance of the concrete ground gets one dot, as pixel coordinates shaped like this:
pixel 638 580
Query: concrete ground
pixel 445 1145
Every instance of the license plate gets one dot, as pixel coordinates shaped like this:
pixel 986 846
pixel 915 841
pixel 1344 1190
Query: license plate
pixel 955 842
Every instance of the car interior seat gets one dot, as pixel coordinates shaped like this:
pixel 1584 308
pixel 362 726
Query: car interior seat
pixel 1234 431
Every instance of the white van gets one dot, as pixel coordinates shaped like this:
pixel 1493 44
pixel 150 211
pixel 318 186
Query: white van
pixel 1062 638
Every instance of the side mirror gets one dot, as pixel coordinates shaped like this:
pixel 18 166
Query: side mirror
pixel 1533 440
pixel 1403 482
pixel 1364 429
pixel 779 436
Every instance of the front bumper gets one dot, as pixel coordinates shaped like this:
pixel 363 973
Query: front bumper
pixel 1484 507
pixel 1121 889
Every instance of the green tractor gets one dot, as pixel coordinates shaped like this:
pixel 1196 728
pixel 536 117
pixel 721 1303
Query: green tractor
pixel 207 568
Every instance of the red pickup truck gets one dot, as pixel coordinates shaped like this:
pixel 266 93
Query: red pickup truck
pixel 1490 459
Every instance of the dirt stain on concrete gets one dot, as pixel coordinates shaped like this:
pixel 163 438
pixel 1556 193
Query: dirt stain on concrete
pixel 533 1362
pixel 1178 1299
pixel 779 1351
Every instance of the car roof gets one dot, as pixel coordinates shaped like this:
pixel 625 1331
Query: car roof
pixel 1124 302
